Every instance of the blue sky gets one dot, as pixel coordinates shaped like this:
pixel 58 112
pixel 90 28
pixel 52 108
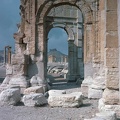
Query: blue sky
pixel 58 39
pixel 9 17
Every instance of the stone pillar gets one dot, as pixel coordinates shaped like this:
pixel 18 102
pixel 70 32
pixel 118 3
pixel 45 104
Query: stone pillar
pixel 119 42
pixel 89 47
pixel 71 63
pixel 9 55
pixel 111 55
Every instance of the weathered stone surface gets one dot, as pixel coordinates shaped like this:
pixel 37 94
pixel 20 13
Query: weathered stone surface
pixel 5 84
pixel 56 92
pixel 98 83
pixel 10 96
pixel 6 80
pixel 111 18
pixel 19 81
pixel 19 69
pixel 66 100
pixel 19 59
pixel 112 62
pixel 112 53
pixel 36 89
pixel 111 97
pixel 37 99
pixel 85 85
pixel 107 115
pixel 9 69
pixel 36 81
pixel 103 107
pixel 112 40
pixel 20 48
pixel 112 5
pixel 112 78
pixel 87 81
pixel 19 37
pixel 94 93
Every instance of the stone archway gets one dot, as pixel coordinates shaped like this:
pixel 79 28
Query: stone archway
pixel 71 55
pixel 41 13
pixel 100 42
pixel 31 40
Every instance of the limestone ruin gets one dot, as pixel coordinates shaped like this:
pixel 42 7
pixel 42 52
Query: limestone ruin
pixel 92 27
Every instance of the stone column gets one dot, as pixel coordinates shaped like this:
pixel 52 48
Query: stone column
pixel 89 47
pixel 71 62
pixel 119 42
pixel 9 55
pixel 111 93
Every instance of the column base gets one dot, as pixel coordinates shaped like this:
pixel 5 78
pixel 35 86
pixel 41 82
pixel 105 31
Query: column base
pixel 103 107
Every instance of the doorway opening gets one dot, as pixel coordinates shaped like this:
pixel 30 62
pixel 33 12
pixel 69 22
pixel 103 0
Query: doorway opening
pixel 70 19
pixel 57 62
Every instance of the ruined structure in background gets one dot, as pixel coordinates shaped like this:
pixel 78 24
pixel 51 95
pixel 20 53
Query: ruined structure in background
pixel 94 33
pixel 55 56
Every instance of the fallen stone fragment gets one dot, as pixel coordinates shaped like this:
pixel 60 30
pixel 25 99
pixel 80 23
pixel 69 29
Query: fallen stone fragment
pixel 53 92
pixel 103 107
pixel 94 93
pixel 36 81
pixel 107 115
pixel 10 96
pixel 66 100
pixel 37 99
pixel 36 89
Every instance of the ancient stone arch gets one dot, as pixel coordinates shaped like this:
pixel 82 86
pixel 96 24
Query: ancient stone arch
pixel 100 45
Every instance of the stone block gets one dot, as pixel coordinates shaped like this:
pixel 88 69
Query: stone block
pixel 36 89
pixel 10 96
pixel 111 21
pixel 98 83
pixel 6 80
pixel 107 115
pixel 19 59
pixel 87 81
pixel 111 97
pixel 112 5
pixel 112 78
pixel 112 82
pixel 113 63
pixel 37 99
pixel 56 92
pixel 20 48
pixel 19 81
pixel 94 93
pixel 36 81
pixel 19 69
pixel 112 40
pixel 112 53
pixel 103 107
pixel 66 100
pixel 9 69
